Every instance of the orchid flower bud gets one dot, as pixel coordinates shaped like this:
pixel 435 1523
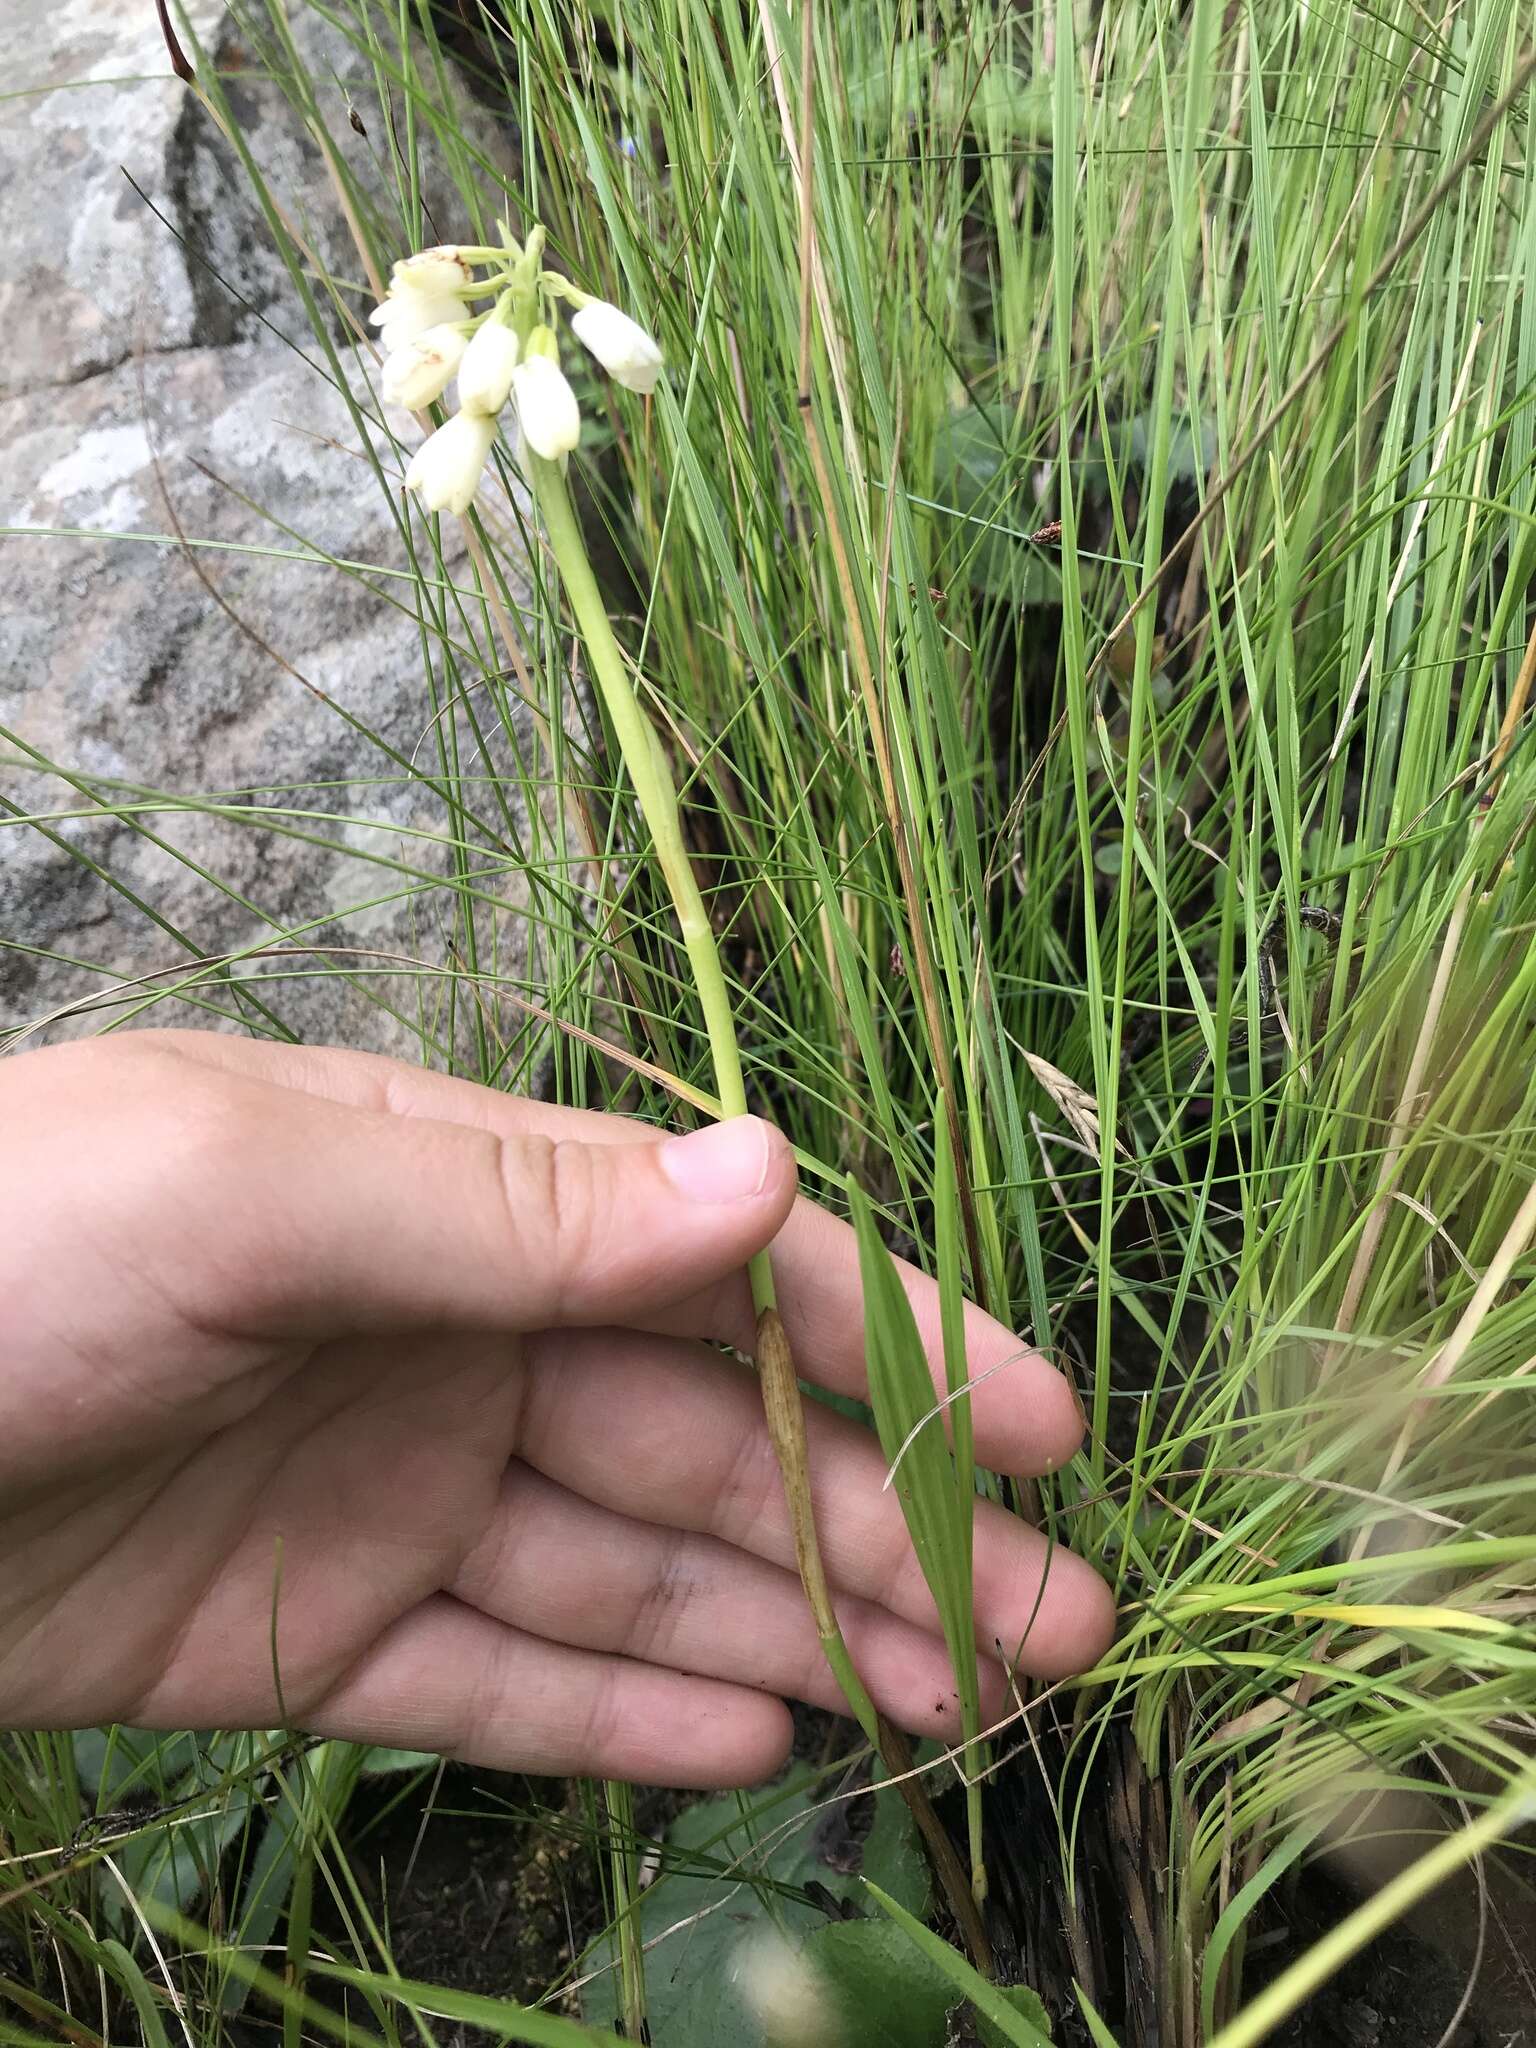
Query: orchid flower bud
pixel 485 374
pixel 546 404
pixel 419 372
pixel 447 467
pixel 404 315
pixel 621 345
pixel 433 271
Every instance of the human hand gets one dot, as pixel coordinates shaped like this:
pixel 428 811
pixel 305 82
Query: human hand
pixel 424 1371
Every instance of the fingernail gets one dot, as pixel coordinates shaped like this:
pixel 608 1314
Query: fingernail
pixel 726 1162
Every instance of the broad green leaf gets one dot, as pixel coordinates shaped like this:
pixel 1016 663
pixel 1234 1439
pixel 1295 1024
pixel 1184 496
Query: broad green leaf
pixel 881 1990
pixel 263 1895
pixel 724 1910
pixel 1016 2027
pixel 980 484
pixel 885 1992
pixel 133 1771
pixel 383 1763
pixel 1026 2003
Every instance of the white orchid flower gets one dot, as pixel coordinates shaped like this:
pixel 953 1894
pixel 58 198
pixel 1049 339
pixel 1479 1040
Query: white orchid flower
pixel 629 355
pixel 420 371
pixel 433 271
pixel 404 315
pixel 485 374
pixel 546 404
pixel 448 465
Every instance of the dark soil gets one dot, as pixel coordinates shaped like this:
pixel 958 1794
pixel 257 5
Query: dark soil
pixel 493 1887
pixel 1406 1989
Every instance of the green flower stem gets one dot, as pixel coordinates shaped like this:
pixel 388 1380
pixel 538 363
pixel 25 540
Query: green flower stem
pixel 624 1865
pixel 653 785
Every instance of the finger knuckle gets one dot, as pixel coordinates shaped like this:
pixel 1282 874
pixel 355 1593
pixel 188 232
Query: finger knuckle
pixel 658 1611
pixel 598 1727
pixel 481 1708
pixel 546 1187
pixel 750 1494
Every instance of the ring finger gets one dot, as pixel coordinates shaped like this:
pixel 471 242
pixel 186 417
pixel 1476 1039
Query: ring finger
pixel 565 1569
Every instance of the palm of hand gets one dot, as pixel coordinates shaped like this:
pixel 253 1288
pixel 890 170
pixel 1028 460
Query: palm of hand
pixel 347 1488
pixel 560 1551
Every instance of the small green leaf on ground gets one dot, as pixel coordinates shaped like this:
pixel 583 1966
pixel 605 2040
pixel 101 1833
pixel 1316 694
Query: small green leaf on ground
pixel 884 1992
pixel 727 1925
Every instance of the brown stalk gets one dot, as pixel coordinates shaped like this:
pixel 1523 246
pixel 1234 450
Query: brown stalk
pixel 173 49
pixel 786 1423
pixel 1519 697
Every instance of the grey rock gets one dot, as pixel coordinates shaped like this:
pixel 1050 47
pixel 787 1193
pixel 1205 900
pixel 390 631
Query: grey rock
pixel 158 386
pixel 87 268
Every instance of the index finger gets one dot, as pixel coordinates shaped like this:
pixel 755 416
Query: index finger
pixel 1026 1415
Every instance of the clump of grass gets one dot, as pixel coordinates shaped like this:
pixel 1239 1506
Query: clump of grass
pixel 1140 911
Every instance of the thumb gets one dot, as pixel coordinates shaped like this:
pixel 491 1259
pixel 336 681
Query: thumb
pixel 609 1233
pixel 386 1221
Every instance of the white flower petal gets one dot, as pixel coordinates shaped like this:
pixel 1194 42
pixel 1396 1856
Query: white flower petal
pixel 448 465
pixel 629 355
pixel 420 371
pixel 404 315
pixel 546 407
pixel 485 375
pixel 433 271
